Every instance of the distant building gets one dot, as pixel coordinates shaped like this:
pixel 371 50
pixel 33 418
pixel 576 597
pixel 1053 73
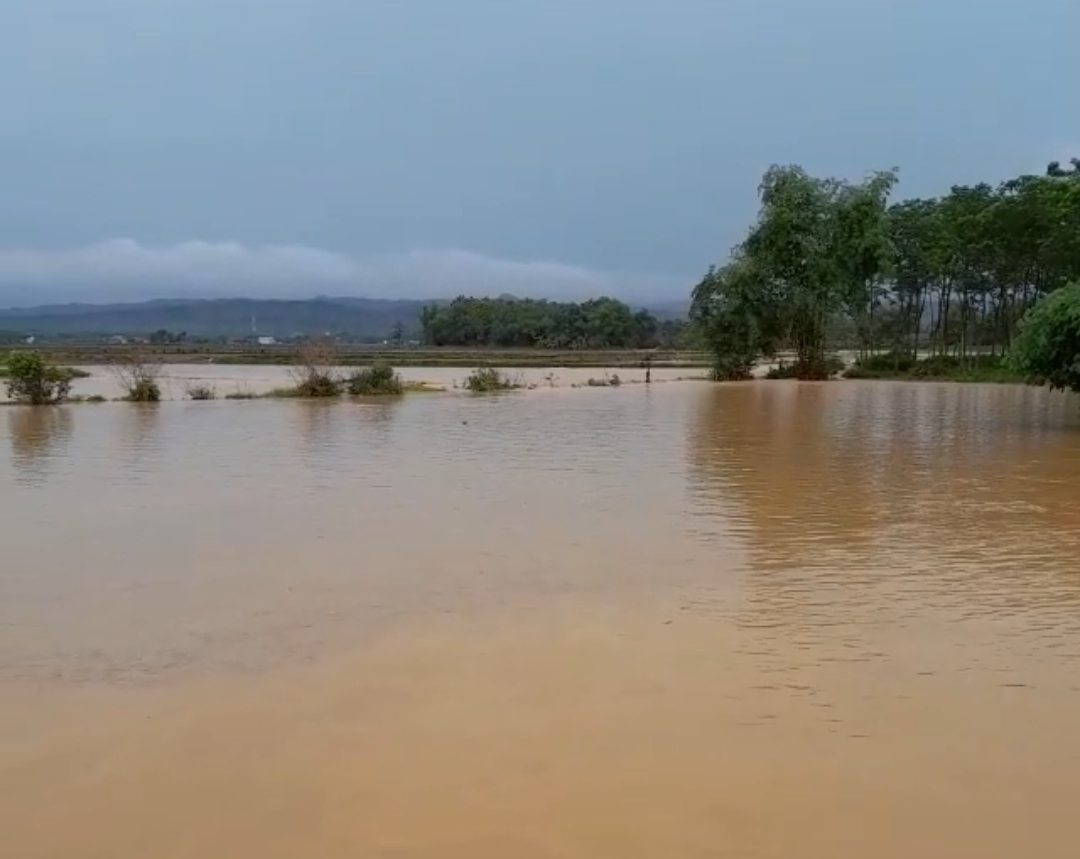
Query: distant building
pixel 266 341
pixel 30 340
pixel 118 339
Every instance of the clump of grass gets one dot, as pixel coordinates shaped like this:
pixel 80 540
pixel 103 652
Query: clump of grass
pixel 486 379
pixel 200 391
pixel 377 380
pixel 314 373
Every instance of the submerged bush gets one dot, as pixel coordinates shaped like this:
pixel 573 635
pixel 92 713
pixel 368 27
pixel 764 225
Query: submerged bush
pixel 486 379
pixel 34 381
pixel 833 365
pixel 314 373
pixel 377 380
pixel 200 391
pixel 144 391
pixel 138 378
pixel 314 385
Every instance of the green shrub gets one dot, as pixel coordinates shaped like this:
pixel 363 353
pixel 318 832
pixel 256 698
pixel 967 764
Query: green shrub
pixel 314 386
pixel 34 381
pixel 144 391
pixel 487 379
pixel 1046 350
pixel 971 368
pixel 377 380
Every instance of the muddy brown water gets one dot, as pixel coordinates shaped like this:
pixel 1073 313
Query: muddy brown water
pixel 764 620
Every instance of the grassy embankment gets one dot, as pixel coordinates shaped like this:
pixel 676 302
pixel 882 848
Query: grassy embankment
pixel 934 368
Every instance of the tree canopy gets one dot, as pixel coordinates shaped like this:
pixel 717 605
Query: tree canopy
pixel 601 323
pixel 1047 346
pixel 830 262
pixel 34 381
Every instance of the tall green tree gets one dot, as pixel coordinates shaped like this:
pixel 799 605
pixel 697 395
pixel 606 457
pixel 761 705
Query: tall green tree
pixel 818 248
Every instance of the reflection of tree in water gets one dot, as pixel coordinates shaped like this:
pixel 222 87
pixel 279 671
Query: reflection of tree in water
pixel 140 437
pixel 377 415
pixel 337 434
pixel 963 490
pixel 766 453
pixel 38 434
pixel 316 423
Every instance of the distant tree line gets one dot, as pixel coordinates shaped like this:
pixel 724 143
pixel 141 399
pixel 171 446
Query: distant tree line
pixel 601 323
pixel 831 262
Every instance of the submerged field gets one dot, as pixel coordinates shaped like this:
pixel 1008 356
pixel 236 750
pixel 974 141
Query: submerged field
pixel 825 621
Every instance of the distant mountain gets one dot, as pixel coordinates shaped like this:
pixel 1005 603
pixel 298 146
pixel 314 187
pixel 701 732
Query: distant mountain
pixel 225 317
pixel 363 318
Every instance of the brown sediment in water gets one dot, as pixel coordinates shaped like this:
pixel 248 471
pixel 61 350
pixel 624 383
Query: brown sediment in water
pixel 570 734
pixel 773 621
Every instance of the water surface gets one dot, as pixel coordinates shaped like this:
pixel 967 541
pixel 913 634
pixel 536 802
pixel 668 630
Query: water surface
pixel 762 620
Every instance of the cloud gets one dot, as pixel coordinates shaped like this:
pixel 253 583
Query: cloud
pixel 124 270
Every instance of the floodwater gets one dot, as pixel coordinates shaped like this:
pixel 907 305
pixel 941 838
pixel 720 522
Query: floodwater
pixel 226 379
pixel 770 620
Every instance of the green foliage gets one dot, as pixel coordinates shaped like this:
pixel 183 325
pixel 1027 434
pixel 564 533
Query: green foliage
pixel 487 379
pixel 735 318
pixel 376 380
pixel 316 385
pixel 1046 350
pixel 953 368
pixel 830 262
pixel 32 380
pixel 601 323
pixel 144 391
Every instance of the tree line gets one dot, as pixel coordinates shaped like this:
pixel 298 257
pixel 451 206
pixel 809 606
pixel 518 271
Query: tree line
pixel 601 323
pixel 830 262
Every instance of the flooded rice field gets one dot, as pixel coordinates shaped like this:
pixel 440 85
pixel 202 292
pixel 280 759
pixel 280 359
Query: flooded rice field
pixel 772 620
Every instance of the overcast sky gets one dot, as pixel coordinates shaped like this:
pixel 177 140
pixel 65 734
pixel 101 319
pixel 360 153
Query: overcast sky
pixel 156 148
